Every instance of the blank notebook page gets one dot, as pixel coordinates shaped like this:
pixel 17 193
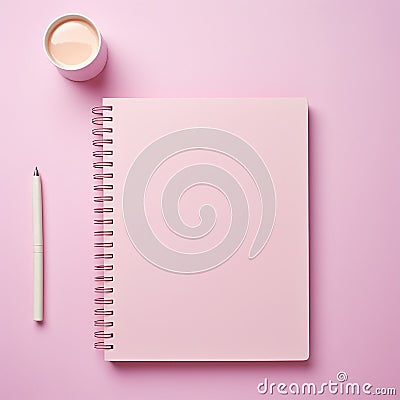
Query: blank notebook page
pixel 210 229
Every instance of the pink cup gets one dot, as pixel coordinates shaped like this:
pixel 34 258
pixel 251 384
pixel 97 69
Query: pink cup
pixel 74 45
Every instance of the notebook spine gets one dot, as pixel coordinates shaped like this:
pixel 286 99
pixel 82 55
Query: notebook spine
pixel 103 222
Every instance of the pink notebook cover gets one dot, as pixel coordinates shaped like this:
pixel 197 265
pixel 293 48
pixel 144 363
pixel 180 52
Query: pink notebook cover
pixel 210 229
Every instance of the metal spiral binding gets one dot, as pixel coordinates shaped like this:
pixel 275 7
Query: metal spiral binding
pixel 102 188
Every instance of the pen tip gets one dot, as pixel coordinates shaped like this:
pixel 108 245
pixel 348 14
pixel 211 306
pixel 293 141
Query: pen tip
pixel 36 172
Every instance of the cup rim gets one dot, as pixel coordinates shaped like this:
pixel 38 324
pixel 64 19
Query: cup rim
pixel 58 21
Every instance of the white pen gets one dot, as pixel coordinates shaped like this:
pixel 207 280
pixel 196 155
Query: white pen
pixel 37 247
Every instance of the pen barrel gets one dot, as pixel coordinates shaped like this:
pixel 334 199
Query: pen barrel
pixel 38 286
pixel 37 211
pixel 37 222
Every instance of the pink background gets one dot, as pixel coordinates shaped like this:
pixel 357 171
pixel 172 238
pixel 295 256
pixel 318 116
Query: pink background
pixel 343 56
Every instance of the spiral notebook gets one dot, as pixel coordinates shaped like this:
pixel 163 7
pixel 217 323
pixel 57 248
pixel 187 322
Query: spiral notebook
pixel 201 229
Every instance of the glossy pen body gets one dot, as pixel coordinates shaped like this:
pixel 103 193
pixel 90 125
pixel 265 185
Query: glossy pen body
pixel 37 247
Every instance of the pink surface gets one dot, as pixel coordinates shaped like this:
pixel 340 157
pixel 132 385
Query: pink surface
pixel 342 56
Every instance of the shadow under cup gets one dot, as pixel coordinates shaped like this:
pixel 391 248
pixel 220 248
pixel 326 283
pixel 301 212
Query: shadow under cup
pixel 75 46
